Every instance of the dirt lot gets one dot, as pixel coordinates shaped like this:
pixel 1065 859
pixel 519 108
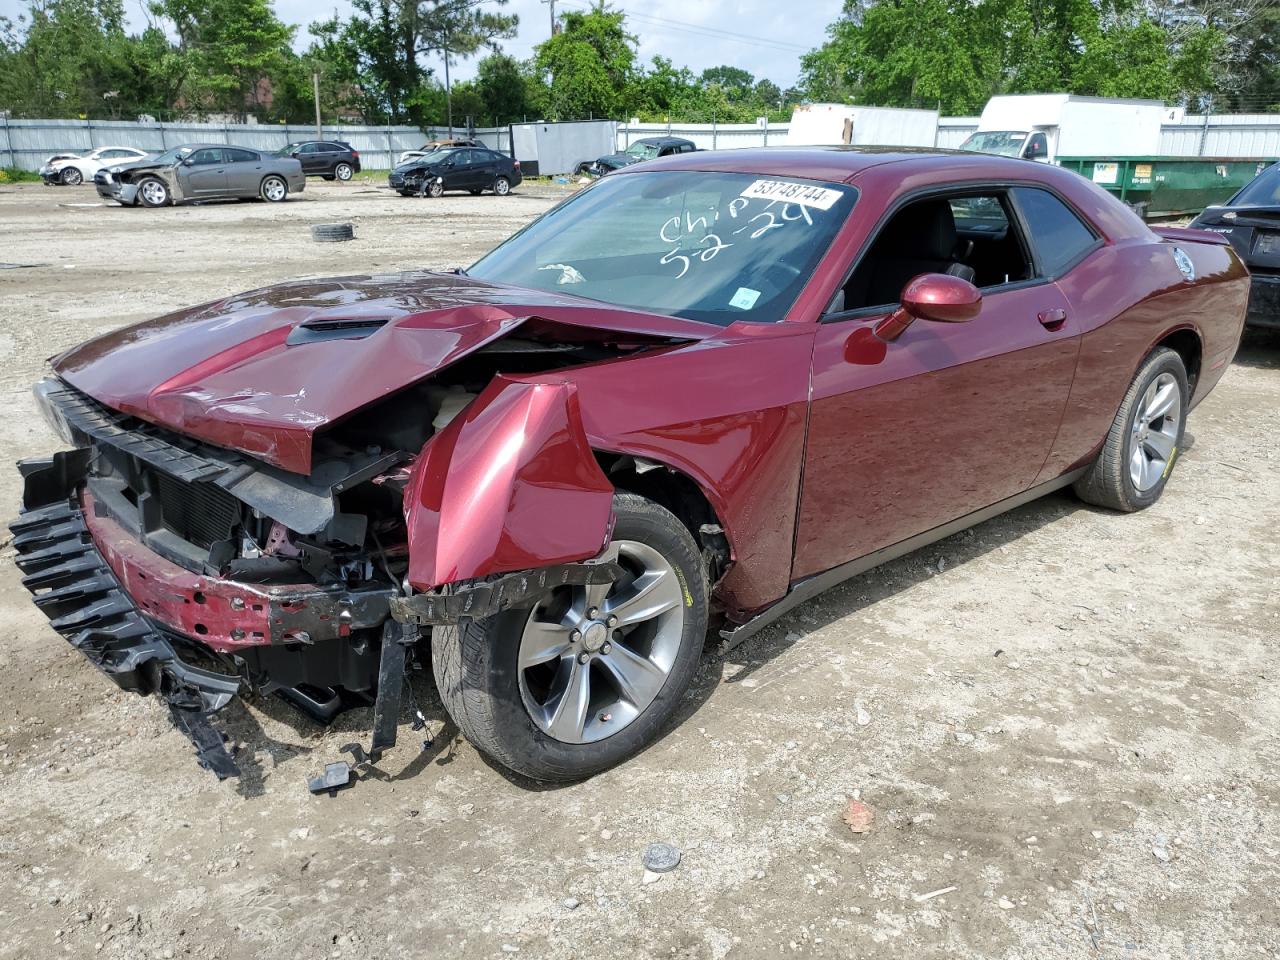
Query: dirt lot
pixel 1069 717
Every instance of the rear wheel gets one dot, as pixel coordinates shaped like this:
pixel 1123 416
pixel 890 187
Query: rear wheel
pixel 1140 450
pixel 343 172
pixel 587 676
pixel 72 176
pixel 273 189
pixel 502 186
pixel 153 192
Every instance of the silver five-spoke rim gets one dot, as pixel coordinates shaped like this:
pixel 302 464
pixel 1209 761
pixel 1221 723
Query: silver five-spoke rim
pixel 1155 432
pixel 153 192
pixel 592 659
pixel 274 189
pixel 500 187
pixel 343 172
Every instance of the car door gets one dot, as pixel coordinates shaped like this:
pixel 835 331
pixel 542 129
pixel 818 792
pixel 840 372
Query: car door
pixel 947 419
pixel 245 170
pixel 203 174
pixel 456 170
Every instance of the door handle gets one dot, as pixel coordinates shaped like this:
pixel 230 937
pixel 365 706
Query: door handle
pixel 1052 320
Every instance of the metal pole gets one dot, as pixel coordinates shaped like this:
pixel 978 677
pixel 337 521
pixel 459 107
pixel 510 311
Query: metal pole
pixel 315 86
pixel 552 5
pixel 448 90
pixel 8 144
pixel 1204 130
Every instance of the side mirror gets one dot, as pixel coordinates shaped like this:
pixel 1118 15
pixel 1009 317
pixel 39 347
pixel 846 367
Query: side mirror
pixel 1035 150
pixel 188 162
pixel 939 297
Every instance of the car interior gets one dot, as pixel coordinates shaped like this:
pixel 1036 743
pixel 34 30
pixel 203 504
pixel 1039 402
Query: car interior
pixel 970 237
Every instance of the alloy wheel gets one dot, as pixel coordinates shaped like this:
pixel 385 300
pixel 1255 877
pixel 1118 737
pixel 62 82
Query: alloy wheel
pixel 501 186
pixel 592 659
pixel 72 176
pixel 342 171
pixel 154 193
pixel 274 189
pixel 1154 433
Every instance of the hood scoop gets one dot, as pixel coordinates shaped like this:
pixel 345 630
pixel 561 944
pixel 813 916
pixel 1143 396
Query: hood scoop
pixel 321 329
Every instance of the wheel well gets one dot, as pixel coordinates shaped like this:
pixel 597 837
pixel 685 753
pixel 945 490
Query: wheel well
pixel 1186 343
pixel 679 494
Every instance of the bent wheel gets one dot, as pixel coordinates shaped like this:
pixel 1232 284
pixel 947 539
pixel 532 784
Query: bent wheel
pixel 588 676
pixel 431 188
pixel 1141 448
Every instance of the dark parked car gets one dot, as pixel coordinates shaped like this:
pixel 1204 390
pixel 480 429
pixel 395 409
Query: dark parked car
pixel 331 159
pixel 474 169
pixel 1251 221
pixel 714 382
pixel 201 171
pixel 650 148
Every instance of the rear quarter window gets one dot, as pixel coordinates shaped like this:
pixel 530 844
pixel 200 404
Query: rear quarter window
pixel 1059 236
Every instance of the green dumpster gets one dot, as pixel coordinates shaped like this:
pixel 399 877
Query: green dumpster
pixel 1168 186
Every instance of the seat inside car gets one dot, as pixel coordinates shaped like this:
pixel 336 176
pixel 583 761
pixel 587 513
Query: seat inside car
pixel 921 238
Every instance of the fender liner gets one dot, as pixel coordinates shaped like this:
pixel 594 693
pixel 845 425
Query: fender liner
pixel 510 484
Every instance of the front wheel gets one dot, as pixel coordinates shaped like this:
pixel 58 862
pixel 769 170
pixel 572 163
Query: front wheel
pixel 343 172
pixel 72 177
pixel 274 189
pixel 153 192
pixel 1138 455
pixel 587 676
pixel 431 188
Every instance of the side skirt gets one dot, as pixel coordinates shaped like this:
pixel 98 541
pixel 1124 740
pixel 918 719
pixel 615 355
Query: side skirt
pixel 808 588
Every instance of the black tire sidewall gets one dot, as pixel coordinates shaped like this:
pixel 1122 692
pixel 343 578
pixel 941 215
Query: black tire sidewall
pixel 432 190
pixel 1165 362
pixel 71 183
pixel 498 189
pixel 527 748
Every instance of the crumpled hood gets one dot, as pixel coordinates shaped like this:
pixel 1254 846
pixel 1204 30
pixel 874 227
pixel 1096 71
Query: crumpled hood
pixel 261 372
pixel 617 160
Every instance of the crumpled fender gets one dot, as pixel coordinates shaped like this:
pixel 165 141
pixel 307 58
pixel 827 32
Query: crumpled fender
pixel 510 484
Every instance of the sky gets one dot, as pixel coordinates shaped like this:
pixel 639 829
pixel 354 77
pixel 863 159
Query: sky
pixel 765 37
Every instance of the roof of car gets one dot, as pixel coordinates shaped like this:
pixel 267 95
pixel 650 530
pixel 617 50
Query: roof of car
pixel 662 140
pixel 837 164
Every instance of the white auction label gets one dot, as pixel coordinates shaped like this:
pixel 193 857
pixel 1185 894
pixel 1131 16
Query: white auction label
pixel 788 191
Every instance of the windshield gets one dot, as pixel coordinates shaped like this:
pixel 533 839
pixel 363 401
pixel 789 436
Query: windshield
pixel 1005 143
pixel 715 247
pixel 172 156
pixel 1264 191
pixel 645 151
pixel 287 149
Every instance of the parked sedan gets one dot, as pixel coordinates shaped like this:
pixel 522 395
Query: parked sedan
pixel 70 169
pixel 474 169
pixel 330 159
pixel 718 381
pixel 649 148
pixel 201 171
pixel 1251 221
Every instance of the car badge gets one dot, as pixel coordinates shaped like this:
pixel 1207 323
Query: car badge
pixel 1184 263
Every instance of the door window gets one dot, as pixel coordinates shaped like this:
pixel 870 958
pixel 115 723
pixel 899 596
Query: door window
pixel 971 236
pixel 309 148
pixel 208 157
pixel 1037 147
pixel 1059 236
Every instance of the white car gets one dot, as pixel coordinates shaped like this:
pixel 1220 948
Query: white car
pixel 70 169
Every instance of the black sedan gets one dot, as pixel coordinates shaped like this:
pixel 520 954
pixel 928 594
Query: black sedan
pixel 1251 221
pixel 474 169
pixel 647 149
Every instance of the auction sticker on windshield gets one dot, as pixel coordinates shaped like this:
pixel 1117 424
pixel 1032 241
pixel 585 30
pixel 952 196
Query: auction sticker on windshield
pixel 786 191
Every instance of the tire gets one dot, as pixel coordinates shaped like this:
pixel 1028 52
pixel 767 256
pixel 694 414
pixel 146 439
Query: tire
pixel 154 192
pixel 72 177
pixel 273 189
pixel 502 186
pixel 405 193
pixel 431 188
pixel 1139 453
pixel 343 172
pixel 332 232
pixel 493 698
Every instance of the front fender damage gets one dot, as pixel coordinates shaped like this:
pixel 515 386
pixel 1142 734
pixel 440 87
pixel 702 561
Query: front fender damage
pixel 509 485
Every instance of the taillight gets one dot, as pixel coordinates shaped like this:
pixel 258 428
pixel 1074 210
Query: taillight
pixel 517 163
pixel 356 154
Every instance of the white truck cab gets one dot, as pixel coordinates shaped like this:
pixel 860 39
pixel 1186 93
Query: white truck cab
pixel 1047 126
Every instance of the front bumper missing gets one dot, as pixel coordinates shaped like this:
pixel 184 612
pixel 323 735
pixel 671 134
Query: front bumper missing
pixel 72 584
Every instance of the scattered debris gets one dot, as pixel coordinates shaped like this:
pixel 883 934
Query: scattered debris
pixel 1160 849
pixel 863 715
pixel 571 903
pixel 335 777
pixel 650 877
pixel 922 897
pixel 859 816
pixel 1004 903
pixel 661 858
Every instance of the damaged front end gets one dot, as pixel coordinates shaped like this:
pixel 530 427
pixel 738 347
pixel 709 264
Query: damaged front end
pixel 198 573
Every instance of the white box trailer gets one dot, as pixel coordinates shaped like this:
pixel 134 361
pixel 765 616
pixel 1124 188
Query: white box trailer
pixel 548 148
pixel 1048 126
pixel 827 124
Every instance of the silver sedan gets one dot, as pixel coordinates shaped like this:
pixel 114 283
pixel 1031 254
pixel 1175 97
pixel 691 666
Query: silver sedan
pixel 201 171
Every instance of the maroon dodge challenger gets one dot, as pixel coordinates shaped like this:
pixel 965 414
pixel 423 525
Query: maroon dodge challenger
pixel 709 386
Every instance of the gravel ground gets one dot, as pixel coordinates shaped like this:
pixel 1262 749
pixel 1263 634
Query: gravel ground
pixel 1066 719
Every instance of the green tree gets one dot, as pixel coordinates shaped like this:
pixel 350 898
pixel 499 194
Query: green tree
pixel 589 65
pixel 507 89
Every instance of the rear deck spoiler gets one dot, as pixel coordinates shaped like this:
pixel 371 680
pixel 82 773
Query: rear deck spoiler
pixel 1190 235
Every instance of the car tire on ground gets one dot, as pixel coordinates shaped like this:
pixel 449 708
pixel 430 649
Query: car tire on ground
pixel 501 186
pixel 343 172
pixel 1142 446
pixel 332 232
pixel 71 176
pixel 273 189
pixel 431 188
pixel 517 684
pixel 154 192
